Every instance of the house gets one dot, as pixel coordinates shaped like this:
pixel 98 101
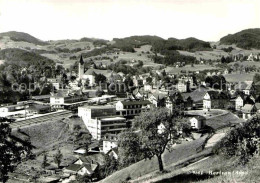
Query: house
pixel 84 169
pixel 247 87
pixel 157 99
pixel 100 120
pixel 148 87
pixel 243 99
pixel 207 102
pixel 138 81
pixel 13 110
pixel 113 152
pixel 239 103
pixel 215 100
pixel 110 141
pixel 248 110
pixel 66 98
pixel 55 82
pixel 226 71
pixel 197 122
pixel 181 87
pixel 196 97
pixel 132 108
pixel 176 101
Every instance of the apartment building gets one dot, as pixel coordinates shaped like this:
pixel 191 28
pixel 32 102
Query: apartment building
pixel 101 120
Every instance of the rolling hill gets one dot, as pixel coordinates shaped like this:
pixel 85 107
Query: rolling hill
pixel 159 44
pixel 15 55
pixel 246 39
pixel 21 36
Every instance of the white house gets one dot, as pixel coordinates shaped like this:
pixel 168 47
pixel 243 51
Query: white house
pixel 248 111
pixel 132 108
pixel 239 103
pixel 110 141
pixel 181 87
pixel 206 102
pixel 198 122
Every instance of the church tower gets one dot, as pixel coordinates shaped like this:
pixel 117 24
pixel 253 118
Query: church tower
pixel 81 68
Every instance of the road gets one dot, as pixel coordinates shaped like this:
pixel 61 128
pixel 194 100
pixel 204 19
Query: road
pixel 40 119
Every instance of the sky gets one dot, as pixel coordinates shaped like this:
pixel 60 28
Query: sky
pixel 208 20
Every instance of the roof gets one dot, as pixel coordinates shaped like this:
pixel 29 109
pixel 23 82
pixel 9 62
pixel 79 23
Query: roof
pixel 39 97
pixel 74 167
pixel 115 149
pixel 81 61
pixel 61 93
pixel 91 71
pixel 198 94
pixel 141 102
pixel 113 118
pixel 159 96
pixel 257 105
pixel 98 107
pixel 90 167
pixel 247 108
pixel 38 107
pixel 199 117
pixel 246 85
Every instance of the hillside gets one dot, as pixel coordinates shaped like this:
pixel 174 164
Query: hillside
pixel 14 55
pixel 159 44
pixel 21 36
pixel 247 39
pixel 189 44
pixel 187 151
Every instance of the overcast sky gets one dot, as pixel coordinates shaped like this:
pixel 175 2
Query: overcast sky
pixel 208 20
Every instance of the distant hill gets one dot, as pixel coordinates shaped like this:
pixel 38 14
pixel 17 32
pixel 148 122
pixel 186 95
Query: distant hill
pixel 247 39
pixel 129 43
pixel 21 36
pixel 159 44
pixel 15 55
pixel 188 44
pixel 95 41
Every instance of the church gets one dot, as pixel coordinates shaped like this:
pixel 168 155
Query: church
pixel 89 75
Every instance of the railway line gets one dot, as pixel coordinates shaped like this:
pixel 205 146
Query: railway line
pixel 40 119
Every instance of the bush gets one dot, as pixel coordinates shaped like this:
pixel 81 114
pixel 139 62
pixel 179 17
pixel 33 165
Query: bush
pixel 242 141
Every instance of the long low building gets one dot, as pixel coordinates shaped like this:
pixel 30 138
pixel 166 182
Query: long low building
pixel 132 108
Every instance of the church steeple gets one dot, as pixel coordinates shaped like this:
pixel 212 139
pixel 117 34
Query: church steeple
pixel 81 67
pixel 81 61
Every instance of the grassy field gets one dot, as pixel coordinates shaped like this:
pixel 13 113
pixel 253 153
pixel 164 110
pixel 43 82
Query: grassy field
pixel 199 67
pixel 47 138
pixel 206 55
pixel 236 77
pixel 246 63
pixel 177 155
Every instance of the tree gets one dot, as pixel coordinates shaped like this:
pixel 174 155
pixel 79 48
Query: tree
pixel 86 84
pixel 129 148
pixel 12 152
pixel 44 161
pixel 100 78
pixel 110 166
pixel 129 82
pixel 149 80
pixel 157 130
pixel 58 157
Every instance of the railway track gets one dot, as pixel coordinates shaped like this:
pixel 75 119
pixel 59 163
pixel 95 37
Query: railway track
pixel 40 119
